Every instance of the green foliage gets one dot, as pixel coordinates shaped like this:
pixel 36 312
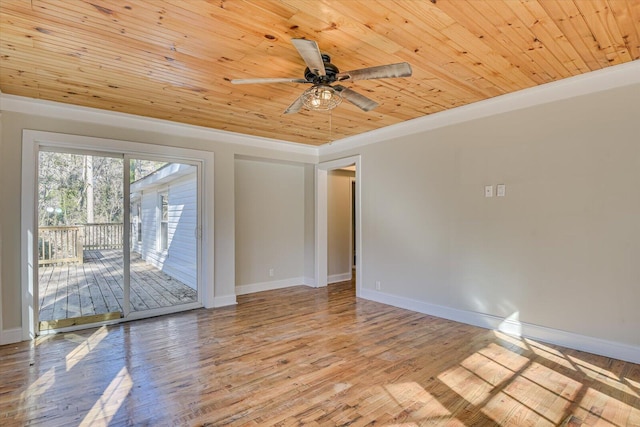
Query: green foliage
pixel 139 169
pixel 64 180
pixel 62 183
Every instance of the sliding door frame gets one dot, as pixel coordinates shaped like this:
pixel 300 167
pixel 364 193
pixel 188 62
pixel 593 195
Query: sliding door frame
pixel 32 141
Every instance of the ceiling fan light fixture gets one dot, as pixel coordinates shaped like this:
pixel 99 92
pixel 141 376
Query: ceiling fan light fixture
pixel 321 97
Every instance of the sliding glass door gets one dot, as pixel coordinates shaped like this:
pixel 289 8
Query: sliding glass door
pixel 118 237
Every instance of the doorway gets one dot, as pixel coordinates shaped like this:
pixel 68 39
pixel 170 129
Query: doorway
pixel 340 224
pixel 321 262
pixel 117 236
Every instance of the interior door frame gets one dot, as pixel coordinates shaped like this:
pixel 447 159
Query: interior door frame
pixel 32 141
pixel 352 228
pixel 321 260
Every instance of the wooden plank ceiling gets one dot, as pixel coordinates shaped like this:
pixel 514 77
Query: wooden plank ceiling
pixel 173 59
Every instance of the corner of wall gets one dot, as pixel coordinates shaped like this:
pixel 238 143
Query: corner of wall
pixel 224 300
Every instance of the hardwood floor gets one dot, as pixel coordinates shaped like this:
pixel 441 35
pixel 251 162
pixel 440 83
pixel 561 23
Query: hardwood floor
pixel 303 356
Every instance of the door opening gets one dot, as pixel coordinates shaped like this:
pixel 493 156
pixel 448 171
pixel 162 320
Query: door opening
pixel 110 237
pixel 321 264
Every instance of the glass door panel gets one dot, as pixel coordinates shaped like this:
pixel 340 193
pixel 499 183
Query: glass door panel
pixel 163 238
pixel 80 246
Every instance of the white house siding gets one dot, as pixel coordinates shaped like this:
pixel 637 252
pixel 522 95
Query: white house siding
pixel 180 259
pixel 149 218
pixel 135 245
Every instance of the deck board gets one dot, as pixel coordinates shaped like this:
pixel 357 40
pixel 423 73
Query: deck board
pixel 97 287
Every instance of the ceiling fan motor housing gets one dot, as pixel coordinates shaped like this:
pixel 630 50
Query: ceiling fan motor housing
pixel 321 73
pixel 330 71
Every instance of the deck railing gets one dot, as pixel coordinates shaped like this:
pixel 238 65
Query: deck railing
pixel 103 236
pixel 59 245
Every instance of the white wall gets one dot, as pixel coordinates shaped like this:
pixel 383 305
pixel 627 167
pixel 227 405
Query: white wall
pixel 560 250
pixel 270 224
pixel 339 225
pixel 309 224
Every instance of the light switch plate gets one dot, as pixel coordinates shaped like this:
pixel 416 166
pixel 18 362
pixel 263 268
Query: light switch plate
pixel 488 191
pixel 501 190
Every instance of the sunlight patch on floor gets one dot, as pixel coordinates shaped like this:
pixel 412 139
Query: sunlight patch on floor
pixel 89 344
pixel 467 384
pixel 547 403
pixel 552 355
pixel 500 407
pixel 552 380
pixel 41 385
pixel 593 370
pixel 109 403
pixel 504 356
pixel 499 380
pixel 597 407
pixel 511 340
pixel 632 383
pixel 411 395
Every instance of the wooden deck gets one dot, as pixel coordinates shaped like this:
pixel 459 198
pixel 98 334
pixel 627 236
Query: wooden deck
pixel 96 287
pixel 309 356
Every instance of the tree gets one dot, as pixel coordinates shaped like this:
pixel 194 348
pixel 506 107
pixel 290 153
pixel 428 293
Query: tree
pixel 76 189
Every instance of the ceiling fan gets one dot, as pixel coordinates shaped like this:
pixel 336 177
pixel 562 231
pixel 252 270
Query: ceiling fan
pixel 321 73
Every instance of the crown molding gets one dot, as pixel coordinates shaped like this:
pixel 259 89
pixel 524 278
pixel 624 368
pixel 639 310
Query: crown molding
pixel 58 110
pixel 595 81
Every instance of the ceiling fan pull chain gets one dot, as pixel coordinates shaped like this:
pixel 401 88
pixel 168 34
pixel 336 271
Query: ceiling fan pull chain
pixel 330 124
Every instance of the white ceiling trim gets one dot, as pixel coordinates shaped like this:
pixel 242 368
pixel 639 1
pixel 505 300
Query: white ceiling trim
pixel 63 111
pixel 608 78
pixel 595 81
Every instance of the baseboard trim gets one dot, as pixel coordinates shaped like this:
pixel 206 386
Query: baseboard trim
pixel 10 336
pixel 309 281
pixel 269 286
pixel 616 350
pixel 335 278
pixel 224 300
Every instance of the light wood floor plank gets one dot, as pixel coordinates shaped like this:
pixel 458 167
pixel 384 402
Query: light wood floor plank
pixel 304 356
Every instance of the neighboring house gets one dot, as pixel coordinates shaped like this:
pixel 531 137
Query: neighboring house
pixel 164 220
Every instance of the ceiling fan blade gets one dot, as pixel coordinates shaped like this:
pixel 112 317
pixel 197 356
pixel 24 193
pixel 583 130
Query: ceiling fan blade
pixel 309 51
pixel 355 98
pixel 267 80
pixel 295 105
pixel 401 69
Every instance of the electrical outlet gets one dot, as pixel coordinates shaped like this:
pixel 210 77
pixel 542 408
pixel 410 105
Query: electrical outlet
pixel 378 285
pixel 501 190
pixel 271 272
